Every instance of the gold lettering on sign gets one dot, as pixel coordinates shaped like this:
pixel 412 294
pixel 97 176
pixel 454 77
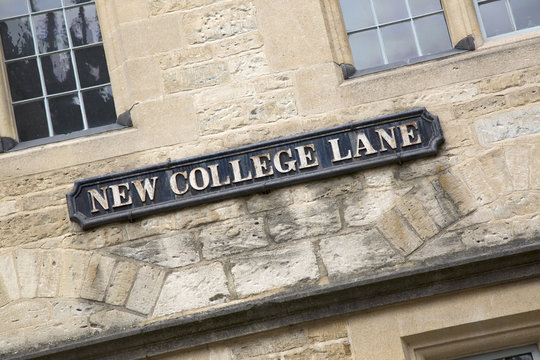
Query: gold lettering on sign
pixel 336 151
pixel 390 139
pixel 101 199
pixel 362 143
pixel 174 183
pixel 204 177
pixel 306 154
pixel 121 195
pixel 260 164
pixel 147 188
pixel 214 173
pixel 237 173
pixel 290 165
pixel 408 135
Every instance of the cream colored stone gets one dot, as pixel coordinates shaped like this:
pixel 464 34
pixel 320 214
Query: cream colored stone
pixel 458 192
pixel 317 88
pixel 143 79
pixel 122 279
pixel 517 162
pixel 8 208
pixel 396 229
pixel 9 276
pixel 145 290
pixel 185 56
pixel 199 76
pixel 131 10
pixel 28 263
pixel 49 277
pixel 24 314
pixel 97 277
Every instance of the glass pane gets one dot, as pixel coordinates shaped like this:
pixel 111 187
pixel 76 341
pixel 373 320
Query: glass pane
pixel 66 114
pixel 39 5
pixel 73 2
pixel 366 49
pixel 91 66
pixel 83 25
pixel 420 7
pixel 31 121
pixel 433 34
pixel 357 14
pixel 99 105
pixel 9 8
pixel 17 38
pixel 526 13
pixel 495 18
pixel 58 73
pixel 390 10
pixel 398 40
pixel 51 31
pixel 24 80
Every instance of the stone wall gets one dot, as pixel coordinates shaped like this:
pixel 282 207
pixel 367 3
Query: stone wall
pixel 205 74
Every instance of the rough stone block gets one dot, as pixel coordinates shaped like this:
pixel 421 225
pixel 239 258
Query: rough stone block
pixel 132 10
pixel 508 125
pixel 72 273
pixel 534 156
pixel 417 216
pixel 114 319
pixel 28 264
pixel 200 76
pixel 185 56
pixel 330 350
pixel 396 229
pixel 210 213
pixel 44 199
pixel 268 201
pixel 171 252
pixel 160 225
pixel 97 277
pixel 277 342
pixel 515 204
pixel 305 220
pixel 327 189
pixel 477 182
pixel 483 106
pixel 517 161
pixel 486 235
pixel 356 252
pixel 364 208
pixel 498 177
pixel 248 66
pixel 193 288
pixel 238 44
pixel 232 236
pixel 163 6
pixel 458 192
pixel 8 208
pixel 49 277
pixel 24 314
pixel 122 278
pixel 220 22
pixel 145 290
pixel 526 227
pixel 501 82
pixel 66 309
pixel 9 276
pixel 325 331
pixel 524 96
pixel 272 269
pixel 440 246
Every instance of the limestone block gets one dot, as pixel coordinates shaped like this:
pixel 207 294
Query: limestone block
pixel 365 207
pixel 272 82
pixel 326 189
pixel 458 192
pixel 8 208
pixel 272 269
pixel 193 288
pixel 122 279
pixel 317 88
pixel 8 275
pixel 501 82
pixel 94 238
pixel 97 277
pixel 518 161
pixel 185 56
pixel 324 331
pixel 209 213
pixel 534 156
pixel 67 309
pixel 277 342
pixel 486 235
pixel 44 199
pixel 220 22
pixel 145 290
pixel 396 229
pixel 330 350
pixel 523 96
pixel 479 216
pixel 304 220
pixel 115 319
pixel 439 207
pixel 13 341
pixel 211 97
pixel 508 125
pixel 24 314
pixel 171 252
pixel 248 66
pixel 439 246
pixel 59 331
pixel 238 44
pixel 49 277
pixel 28 263
pixel 482 106
pixel 515 204
pixel 164 6
pixel 527 227
pixel 357 252
pixel 143 79
pixel 199 76
pixel 477 182
pixel 131 10
pixel 159 225
pixel 417 216
pixel 268 201
pixel 232 236
pixel 498 177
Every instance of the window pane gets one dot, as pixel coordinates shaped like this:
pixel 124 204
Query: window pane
pixel 366 49
pixel 9 8
pixel 24 82
pixel 73 2
pixel 495 18
pixel 419 7
pixel 83 25
pixel 398 40
pixel 357 14
pixel 99 105
pixel 91 66
pixel 526 13
pixel 31 121
pixel 66 114
pixel 58 73
pixel 17 38
pixel 51 31
pixel 39 5
pixel 390 10
pixel 432 34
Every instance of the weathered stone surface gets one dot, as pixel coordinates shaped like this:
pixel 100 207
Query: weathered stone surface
pixel 122 279
pixel 356 252
pixel 364 208
pixel 97 277
pixel 303 220
pixel 268 201
pixel 220 22
pixel 248 66
pixel 159 225
pixel 163 6
pixel 56 331
pixel 8 208
pixel 278 342
pixel 183 79
pixel 72 273
pixel 95 238
pixel 8 275
pixel 114 319
pixel 417 216
pixel 328 188
pixel 442 245
pixel 67 309
pixel 24 314
pixel 519 203
pixel 477 181
pixel 524 95
pixel 508 125
pixel 206 214
pixel 481 106
pixel 491 234
pixel 193 288
pixel 44 199
pixel 271 269
pixel 526 227
pixel 175 251
pixel 238 44
pixel 49 276
pixel 458 192
pixel 517 162
pixel 232 236
pixel 145 290
pixel 330 350
pixel 534 179
pixel 396 229
pixel 185 56
pixel 325 331
pixel 28 263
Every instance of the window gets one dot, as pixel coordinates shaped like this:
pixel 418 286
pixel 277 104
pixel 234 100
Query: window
pixel 499 17
pixel 394 32
pixel 523 353
pixel 56 67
